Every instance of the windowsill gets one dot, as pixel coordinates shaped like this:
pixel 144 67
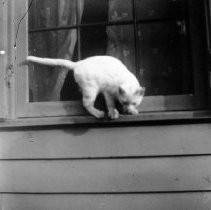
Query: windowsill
pixel 142 118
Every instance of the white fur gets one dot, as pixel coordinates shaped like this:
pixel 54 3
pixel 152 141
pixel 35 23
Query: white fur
pixel 104 74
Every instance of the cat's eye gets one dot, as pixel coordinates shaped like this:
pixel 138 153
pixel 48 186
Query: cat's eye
pixel 134 104
pixel 125 103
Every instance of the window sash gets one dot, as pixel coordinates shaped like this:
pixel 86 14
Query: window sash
pixel 60 108
pixel 208 23
pixel 208 26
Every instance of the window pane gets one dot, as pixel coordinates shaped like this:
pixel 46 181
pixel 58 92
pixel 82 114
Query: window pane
pixel 95 11
pixel 120 10
pixel 45 82
pixel 117 41
pixel 153 9
pixel 121 44
pixel 93 41
pixel 164 58
pixel 52 13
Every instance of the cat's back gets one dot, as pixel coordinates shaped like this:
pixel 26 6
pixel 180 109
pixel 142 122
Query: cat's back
pixel 101 59
pixel 105 71
pixel 99 64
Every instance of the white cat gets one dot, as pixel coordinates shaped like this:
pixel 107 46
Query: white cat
pixel 106 75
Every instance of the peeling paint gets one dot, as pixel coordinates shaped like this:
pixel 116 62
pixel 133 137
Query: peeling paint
pixel 207 179
pixel 8 75
pixel 19 23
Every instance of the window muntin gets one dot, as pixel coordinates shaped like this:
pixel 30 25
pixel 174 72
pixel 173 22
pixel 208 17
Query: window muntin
pixel 158 98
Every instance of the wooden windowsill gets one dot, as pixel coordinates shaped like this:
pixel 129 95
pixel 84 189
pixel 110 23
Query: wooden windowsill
pixel 142 119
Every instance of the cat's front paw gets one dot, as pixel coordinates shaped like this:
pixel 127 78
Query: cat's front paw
pixel 113 114
pixel 133 111
pixel 99 114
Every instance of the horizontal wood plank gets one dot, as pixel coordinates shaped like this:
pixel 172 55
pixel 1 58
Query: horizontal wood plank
pixel 107 175
pixel 106 142
pixel 192 201
pixel 143 117
pixel 150 103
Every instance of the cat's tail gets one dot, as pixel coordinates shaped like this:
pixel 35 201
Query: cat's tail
pixel 52 62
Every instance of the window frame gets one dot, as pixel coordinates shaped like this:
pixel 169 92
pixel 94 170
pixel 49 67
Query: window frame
pixel 24 109
pixel 208 36
pixel 208 23
pixel 4 71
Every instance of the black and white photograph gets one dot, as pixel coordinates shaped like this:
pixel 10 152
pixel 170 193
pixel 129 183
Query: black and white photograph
pixel 105 104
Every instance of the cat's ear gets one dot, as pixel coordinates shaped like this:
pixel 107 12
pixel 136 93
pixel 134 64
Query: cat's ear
pixel 140 91
pixel 122 91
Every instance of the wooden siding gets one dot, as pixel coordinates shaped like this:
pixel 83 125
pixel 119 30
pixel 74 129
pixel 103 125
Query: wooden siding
pixel 107 176
pixel 106 142
pixel 183 201
pixel 133 167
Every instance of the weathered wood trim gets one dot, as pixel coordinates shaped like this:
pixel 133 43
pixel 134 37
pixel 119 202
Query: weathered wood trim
pixel 4 74
pixel 142 118
pixel 64 108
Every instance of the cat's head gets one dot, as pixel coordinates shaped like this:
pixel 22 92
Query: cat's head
pixel 130 97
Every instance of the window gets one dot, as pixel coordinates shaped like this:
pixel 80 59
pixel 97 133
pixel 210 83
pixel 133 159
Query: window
pixel 160 41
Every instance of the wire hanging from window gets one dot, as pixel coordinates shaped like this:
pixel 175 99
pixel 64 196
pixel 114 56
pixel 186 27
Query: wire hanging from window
pixel 16 35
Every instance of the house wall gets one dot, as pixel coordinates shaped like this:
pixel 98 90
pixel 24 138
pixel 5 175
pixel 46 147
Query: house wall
pixel 158 167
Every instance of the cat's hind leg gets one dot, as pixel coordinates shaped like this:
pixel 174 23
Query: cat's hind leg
pixel 89 97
